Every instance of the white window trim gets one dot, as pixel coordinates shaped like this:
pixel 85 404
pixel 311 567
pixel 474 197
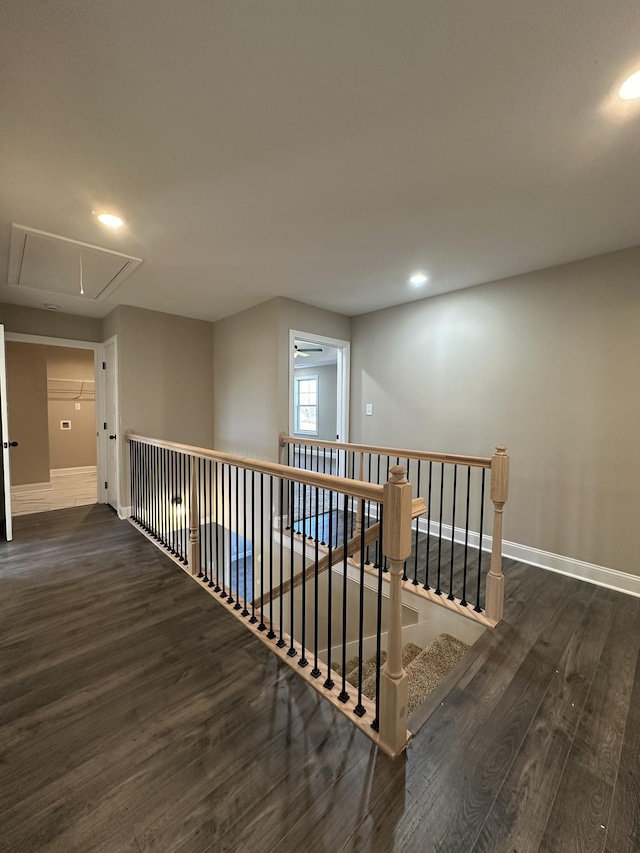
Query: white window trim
pixel 296 407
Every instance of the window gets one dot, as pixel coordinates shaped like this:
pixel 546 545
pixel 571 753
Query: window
pixel 306 401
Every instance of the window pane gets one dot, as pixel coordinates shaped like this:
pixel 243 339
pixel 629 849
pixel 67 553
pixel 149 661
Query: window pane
pixel 307 418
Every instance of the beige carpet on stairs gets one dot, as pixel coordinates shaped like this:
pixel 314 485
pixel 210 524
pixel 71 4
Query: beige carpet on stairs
pixel 425 668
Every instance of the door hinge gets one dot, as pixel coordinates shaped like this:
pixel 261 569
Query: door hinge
pixel 105 484
pixel 104 365
pixel 105 425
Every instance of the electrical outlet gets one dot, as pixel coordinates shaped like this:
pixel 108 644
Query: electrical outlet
pixel 368 409
pixel 77 407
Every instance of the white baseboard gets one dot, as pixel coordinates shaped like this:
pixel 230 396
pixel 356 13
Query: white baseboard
pixel 124 512
pixel 66 472
pixel 589 572
pixel 25 488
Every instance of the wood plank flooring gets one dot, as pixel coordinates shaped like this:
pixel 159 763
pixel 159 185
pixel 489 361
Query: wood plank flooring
pixel 138 715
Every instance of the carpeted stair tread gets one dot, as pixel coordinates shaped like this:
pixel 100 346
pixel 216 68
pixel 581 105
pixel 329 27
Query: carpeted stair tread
pixel 428 669
pixel 425 668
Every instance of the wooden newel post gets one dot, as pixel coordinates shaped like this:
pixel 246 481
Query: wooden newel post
pixel 396 542
pixel 194 520
pixel 499 495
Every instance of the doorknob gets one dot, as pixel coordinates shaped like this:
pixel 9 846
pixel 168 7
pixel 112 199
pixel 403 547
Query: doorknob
pixel 112 437
pixel 11 444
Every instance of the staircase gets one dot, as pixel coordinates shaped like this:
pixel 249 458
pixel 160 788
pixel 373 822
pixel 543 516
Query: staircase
pixel 425 668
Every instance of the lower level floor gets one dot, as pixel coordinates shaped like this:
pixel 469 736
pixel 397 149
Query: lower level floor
pixel 138 714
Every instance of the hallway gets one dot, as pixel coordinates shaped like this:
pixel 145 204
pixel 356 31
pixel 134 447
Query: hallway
pixel 138 715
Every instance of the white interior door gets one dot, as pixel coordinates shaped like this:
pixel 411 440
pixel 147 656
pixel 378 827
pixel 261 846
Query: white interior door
pixel 111 426
pixel 5 440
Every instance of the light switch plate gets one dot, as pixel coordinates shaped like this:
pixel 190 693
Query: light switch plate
pixel 368 410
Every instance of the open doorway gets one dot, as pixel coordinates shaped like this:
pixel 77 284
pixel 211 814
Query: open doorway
pixel 52 416
pixel 318 387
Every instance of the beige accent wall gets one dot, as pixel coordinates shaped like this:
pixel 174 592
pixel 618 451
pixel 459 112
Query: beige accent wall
pixel 27 405
pixel 74 448
pixel 165 377
pixel 251 372
pixel 32 321
pixel 545 363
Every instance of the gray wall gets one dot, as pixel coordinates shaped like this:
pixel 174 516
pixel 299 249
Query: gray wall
pixel 165 377
pixel 53 324
pixel 251 372
pixel 545 363
pixel 327 398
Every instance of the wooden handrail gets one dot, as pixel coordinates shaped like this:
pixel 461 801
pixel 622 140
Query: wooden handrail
pixel 423 455
pixel 353 488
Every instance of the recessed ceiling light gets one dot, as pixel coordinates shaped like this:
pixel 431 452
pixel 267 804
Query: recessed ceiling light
pixel 418 278
pixel 111 220
pixel 630 89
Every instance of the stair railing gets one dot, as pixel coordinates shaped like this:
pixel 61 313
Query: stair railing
pixel 228 521
pixel 447 563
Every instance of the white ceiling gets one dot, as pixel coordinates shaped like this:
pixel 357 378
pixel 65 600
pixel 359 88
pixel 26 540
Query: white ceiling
pixel 320 151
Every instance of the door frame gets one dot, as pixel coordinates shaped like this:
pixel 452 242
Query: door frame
pixel 343 379
pixel 4 439
pixel 122 512
pixel 98 360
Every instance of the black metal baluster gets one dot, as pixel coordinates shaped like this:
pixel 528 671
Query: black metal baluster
pixel 463 600
pixel 477 608
pixel 236 527
pixel 438 590
pixel 209 519
pixel 368 561
pixel 375 725
pixel 254 618
pixel 205 496
pixel 203 574
pixel 149 492
pixel 291 651
pixel 377 562
pixel 351 513
pixel 223 534
pixel 405 576
pixel 152 494
pixel 263 540
pixel 245 611
pixel 344 696
pixel 451 596
pixel 216 521
pixel 303 633
pixel 415 544
pixel 329 683
pixel 281 641
pixel 230 598
pixel 271 633
pixel 428 548
pixel 359 709
pixel 167 499
pixel 315 672
pixel 185 517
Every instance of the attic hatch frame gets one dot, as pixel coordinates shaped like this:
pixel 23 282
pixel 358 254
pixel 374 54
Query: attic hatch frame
pixel 19 237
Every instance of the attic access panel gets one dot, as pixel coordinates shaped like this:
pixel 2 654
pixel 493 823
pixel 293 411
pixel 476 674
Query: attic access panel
pixel 51 263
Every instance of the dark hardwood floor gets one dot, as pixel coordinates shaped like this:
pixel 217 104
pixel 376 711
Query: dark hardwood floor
pixel 138 715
